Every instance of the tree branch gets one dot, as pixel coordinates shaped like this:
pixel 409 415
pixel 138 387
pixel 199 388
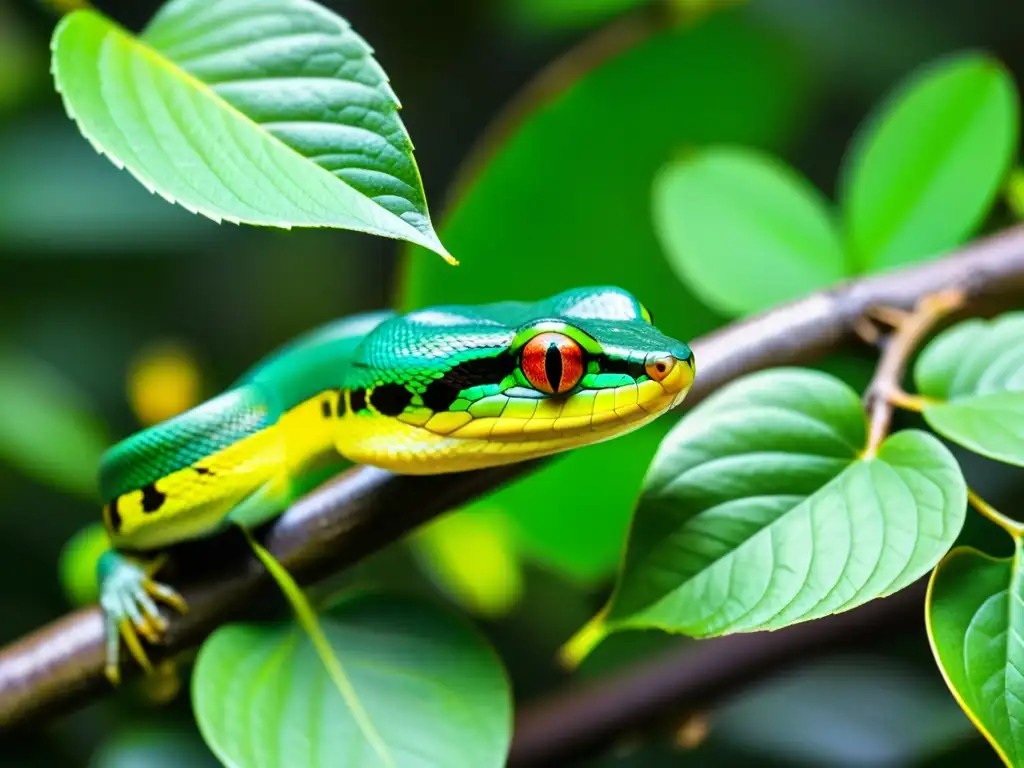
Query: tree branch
pixel 658 694
pixel 886 388
pixel 339 524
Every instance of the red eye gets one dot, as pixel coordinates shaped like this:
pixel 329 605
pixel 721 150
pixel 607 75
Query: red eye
pixel 552 363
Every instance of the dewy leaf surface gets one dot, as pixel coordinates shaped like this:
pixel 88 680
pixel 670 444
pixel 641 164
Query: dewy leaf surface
pixel 975 618
pixel 269 112
pixel 974 374
pixel 744 230
pixel 432 689
pixel 926 168
pixel 758 513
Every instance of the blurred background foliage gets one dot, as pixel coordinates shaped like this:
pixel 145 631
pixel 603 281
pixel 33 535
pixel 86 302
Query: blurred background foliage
pixel 540 127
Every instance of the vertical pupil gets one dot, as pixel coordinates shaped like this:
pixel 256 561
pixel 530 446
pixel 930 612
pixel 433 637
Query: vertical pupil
pixel 553 366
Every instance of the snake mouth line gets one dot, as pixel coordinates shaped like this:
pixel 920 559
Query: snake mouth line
pixel 504 419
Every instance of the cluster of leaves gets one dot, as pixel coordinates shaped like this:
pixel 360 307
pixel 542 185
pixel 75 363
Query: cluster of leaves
pixel 760 508
pixel 763 509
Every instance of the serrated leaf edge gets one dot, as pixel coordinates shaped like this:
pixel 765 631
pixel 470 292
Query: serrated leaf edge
pixel 419 238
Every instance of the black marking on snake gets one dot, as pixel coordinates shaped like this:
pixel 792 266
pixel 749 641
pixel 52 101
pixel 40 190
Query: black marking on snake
pixel 202 471
pixel 553 366
pixel 152 499
pixel 390 399
pixel 442 392
pixel 325 408
pixel 629 367
pixel 358 399
pixel 341 408
pixel 114 515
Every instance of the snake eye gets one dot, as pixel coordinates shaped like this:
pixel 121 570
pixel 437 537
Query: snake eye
pixel 552 362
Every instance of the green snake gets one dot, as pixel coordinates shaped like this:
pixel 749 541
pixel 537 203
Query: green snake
pixel 444 389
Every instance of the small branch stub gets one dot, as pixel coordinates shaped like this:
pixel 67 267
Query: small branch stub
pixel 885 392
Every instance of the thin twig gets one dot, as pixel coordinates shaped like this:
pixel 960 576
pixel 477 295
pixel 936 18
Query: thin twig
pixel 346 520
pixel 986 510
pixel 885 392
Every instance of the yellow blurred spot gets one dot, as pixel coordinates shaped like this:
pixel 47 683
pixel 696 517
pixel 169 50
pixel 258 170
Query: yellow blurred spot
pixel 1014 192
pixel 67 6
pixel 163 381
pixel 78 564
pixel 693 731
pixel 163 684
pixel 472 558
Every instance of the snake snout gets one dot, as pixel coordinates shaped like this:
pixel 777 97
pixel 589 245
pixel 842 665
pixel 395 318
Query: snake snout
pixel 674 373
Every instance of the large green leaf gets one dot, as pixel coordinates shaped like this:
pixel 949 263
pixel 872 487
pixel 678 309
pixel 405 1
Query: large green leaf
pixel 564 201
pixel 268 112
pixel 974 375
pixel 46 426
pixel 744 230
pixel 760 511
pixel 429 691
pixel 926 168
pixel 975 617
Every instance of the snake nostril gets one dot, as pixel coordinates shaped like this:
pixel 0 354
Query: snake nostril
pixel 661 367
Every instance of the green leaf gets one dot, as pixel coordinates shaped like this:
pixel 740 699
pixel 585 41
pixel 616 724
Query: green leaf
pixel 430 686
pixel 271 112
pixel 472 558
pixel 46 427
pixel 760 511
pixel 566 219
pixel 744 230
pixel 973 375
pixel 975 626
pixel 78 563
pixel 926 168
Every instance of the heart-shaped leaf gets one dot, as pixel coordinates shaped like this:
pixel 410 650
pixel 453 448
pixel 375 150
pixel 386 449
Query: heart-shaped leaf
pixel 269 112
pixel 926 168
pixel 428 690
pixel 976 629
pixel 744 230
pixel 760 511
pixel 973 377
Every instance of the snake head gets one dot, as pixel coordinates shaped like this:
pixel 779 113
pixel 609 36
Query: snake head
pixel 453 388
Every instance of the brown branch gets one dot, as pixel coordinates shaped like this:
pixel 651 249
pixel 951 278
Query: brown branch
pixel 886 388
pixel 657 695
pixel 346 520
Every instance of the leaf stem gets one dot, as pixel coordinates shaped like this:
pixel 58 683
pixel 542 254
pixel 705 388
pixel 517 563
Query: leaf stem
pixel 579 646
pixel 885 392
pixel 307 618
pixel 986 510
